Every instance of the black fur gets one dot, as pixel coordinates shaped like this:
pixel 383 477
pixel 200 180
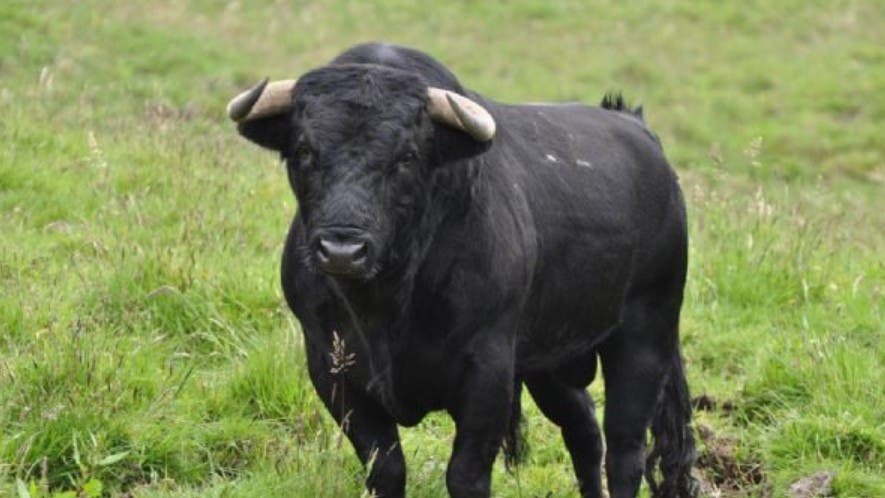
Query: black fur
pixel 559 245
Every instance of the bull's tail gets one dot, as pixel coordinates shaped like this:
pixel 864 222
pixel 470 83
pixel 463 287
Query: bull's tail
pixel 615 101
pixel 514 439
pixel 673 452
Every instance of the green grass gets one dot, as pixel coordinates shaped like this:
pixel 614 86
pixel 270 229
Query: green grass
pixel 144 342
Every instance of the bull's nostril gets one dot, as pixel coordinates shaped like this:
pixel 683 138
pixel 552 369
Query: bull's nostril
pixel 360 253
pixel 326 247
pixel 323 252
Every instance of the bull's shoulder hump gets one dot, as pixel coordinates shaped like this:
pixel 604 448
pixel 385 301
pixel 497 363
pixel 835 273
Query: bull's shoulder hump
pixel 402 58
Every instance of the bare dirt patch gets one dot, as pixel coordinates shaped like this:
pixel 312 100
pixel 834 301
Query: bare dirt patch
pixel 724 472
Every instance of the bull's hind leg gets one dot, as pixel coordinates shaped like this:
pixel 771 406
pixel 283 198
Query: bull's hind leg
pixel 638 363
pixel 571 408
pixel 371 431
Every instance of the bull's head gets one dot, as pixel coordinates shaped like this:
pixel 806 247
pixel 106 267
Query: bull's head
pixel 357 142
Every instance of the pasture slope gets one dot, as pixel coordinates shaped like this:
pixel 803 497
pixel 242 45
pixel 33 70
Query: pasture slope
pixel 145 349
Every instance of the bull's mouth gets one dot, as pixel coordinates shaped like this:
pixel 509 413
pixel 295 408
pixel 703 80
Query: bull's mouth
pixel 362 274
pixel 356 269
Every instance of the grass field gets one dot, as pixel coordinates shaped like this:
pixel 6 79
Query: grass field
pixel 144 344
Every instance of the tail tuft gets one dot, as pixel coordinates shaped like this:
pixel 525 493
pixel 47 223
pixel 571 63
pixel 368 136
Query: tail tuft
pixel 615 101
pixel 673 452
pixel 515 444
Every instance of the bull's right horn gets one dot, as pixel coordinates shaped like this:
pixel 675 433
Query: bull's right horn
pixel 262 100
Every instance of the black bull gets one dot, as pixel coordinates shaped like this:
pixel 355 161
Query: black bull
pixel 432 270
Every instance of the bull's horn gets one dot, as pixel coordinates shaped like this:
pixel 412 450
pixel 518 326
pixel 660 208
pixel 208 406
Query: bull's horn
pixel 460 112
pixel 262 100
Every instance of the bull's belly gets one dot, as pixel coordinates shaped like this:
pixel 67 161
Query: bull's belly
pixel 569 315
pixel 555 340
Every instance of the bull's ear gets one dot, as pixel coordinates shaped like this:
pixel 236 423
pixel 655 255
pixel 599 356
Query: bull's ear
pixel 263 113
pixel 272 132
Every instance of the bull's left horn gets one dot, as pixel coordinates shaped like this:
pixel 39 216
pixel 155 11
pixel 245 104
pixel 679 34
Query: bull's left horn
pixel 460 112
pixel 262 100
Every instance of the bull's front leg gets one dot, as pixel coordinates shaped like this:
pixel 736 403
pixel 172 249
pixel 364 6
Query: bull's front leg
pixel 370 429
pixel 481 411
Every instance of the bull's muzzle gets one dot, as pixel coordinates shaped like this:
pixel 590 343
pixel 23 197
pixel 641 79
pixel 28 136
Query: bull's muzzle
pixel 343 252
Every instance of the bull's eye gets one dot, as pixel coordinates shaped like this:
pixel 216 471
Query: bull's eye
pixel 406 162
pixel 303 156
pixel 402 168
